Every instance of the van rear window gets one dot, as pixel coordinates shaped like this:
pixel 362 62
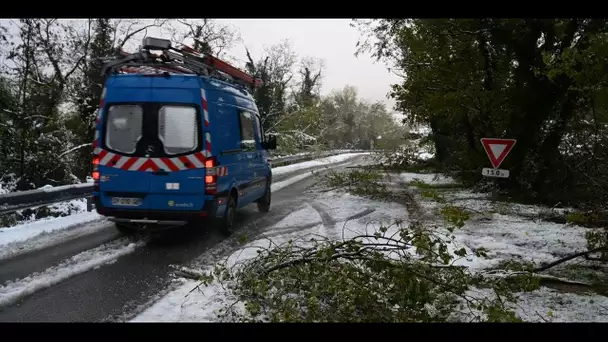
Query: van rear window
pixel 177 129
pixel 124 128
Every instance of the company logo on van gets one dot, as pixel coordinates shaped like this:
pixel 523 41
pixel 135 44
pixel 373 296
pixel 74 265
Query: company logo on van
pixel 180 205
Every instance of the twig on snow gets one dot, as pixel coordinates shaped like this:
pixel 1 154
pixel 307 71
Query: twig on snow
pixel 570 257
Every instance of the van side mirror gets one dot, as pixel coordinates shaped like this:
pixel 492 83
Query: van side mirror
pixel 270 143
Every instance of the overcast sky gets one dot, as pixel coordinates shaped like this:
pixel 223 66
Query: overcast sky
pixel 332 40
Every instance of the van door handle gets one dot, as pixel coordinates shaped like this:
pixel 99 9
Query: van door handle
pixel 161 173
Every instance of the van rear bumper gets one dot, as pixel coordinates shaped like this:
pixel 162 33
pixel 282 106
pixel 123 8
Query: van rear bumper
pixel 146 221
pixel 156 216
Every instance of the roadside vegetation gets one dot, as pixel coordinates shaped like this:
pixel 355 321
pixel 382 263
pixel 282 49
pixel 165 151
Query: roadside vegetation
pixel 402 272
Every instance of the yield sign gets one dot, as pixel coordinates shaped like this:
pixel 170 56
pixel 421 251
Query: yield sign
pixel 497 149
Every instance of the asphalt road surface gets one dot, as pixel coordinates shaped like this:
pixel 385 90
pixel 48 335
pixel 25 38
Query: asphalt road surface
pixel 118 291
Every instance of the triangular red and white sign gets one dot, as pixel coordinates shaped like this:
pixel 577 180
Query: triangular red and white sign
pixel 497 149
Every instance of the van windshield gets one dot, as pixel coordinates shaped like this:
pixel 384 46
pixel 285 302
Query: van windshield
pixel 152 129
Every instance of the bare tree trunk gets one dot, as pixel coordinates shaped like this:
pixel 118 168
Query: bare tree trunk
pixel 23 98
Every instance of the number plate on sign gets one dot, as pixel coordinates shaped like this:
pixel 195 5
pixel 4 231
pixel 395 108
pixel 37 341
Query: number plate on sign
pixel 126 201
pixel 499 173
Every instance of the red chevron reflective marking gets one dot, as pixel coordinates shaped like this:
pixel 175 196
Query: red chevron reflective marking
pixel 187 163
pixel 149 164
pixel 170 164
pixel 200 157
pixel 126 166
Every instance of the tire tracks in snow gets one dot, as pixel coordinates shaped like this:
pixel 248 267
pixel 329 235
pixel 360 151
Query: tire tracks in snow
pixel 13 291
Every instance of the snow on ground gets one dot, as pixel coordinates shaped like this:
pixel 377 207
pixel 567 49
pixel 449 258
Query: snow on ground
pixel 317 162
pixel 59 209
pixel 423 155
pixel 330 215
pixel 553 306
pixel 52 238
pixel 79 263
pixel 499 227
pixel 512 237
pixel 429 178
pixel 29 230
pixel 280 185
pixel 507 236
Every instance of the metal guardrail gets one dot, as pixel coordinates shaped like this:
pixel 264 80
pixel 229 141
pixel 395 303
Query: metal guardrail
pixel 15 201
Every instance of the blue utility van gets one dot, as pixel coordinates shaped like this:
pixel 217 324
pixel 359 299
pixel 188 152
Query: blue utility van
pixel 179 144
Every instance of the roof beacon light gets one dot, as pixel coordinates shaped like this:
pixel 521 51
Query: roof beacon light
pixel 156 43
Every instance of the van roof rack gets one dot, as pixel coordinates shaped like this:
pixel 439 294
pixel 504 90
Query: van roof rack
pixel 180 61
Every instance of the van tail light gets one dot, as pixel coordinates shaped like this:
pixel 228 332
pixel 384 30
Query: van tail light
pixel 95 173
pixel 211 176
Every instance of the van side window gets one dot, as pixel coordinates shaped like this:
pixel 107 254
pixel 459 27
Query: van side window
pixel 124 128
pixel 247 128
pixel 258 127
pixel 177 129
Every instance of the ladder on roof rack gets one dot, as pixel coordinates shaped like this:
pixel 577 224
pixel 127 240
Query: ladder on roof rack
pixel 179 61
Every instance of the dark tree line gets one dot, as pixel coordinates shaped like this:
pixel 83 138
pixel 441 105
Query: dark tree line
pixel 540 81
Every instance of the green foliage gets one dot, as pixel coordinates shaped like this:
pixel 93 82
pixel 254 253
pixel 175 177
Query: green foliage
pixel 433 195
pixel 596 238
pixel 367 278
pixel 419 184
pixel 576 218
pixel 455 216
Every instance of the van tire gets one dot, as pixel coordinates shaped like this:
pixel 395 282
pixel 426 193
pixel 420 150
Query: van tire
pixel 125 228
pixel 264 201
pixel 226 223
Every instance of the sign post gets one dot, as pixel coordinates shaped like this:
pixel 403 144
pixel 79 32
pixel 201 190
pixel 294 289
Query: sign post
pixel 497 150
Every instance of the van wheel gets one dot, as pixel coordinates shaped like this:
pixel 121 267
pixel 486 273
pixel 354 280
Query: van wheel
pixel 125 228
pixel 264 202
pixel 226 223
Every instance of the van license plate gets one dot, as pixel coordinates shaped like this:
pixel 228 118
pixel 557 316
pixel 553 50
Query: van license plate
pixel 126 201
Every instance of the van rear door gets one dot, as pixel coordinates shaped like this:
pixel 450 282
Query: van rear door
pixel 123 128
pixel 154 143
pixel 180 160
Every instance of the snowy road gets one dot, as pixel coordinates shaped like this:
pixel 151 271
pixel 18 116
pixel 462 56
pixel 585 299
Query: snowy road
pixel 98 275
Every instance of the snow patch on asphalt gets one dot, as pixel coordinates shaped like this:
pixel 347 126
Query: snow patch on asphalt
pixel 280 185
pixel 12 291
